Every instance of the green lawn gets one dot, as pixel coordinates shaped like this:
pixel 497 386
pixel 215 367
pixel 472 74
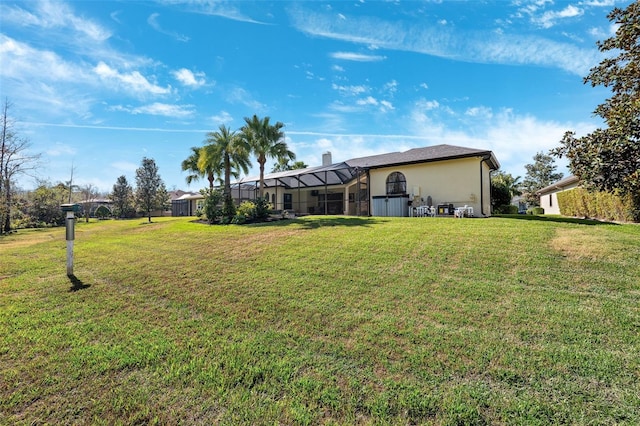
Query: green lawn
pixel 323 320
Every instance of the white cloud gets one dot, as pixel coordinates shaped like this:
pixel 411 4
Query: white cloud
pixel 133 81
pixel 222 9
pixel 54 15
pixel 167 110
pixel 481 111
pixel 434 39
pixel 222 118
pixel 350 90
pixel 549 18
pixel 390 87
pixel 188 78
pixel 238 95
pixel 357 57
pixel 153 22
pixel 21 61
pixel 514 138
pixel 124 166
pixel 60 149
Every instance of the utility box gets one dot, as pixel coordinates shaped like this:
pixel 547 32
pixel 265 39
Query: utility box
pixel 75 208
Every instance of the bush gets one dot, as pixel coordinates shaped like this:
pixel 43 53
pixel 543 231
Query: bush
pixel 579 202
pixel 102 212
pixel 247 209
pixel 506 209
pixel 228 208
pixel 212 198
pixel 537 210
pixel 262 208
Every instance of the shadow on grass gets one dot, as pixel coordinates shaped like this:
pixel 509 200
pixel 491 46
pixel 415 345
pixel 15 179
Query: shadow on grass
pixel 559 219
pixel 314 222
pixel 77 284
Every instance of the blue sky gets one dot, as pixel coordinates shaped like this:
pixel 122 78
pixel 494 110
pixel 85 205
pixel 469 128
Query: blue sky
pixel 101 84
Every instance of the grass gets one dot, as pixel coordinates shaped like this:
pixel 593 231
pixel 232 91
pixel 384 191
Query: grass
pixel 322 320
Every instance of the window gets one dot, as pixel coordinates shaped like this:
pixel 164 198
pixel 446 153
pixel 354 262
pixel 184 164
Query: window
pixel 550 200
pixel 396 183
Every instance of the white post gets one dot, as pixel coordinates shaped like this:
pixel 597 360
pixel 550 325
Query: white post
pixel 70 223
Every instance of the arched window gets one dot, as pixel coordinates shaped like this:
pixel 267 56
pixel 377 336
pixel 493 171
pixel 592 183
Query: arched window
pixel 396 183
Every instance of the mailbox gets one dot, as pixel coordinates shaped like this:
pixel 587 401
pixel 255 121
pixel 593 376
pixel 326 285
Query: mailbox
pixel 75 208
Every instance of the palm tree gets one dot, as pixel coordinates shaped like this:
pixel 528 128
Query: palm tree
pixel 191 165
pixel 228 152
pixel 265 141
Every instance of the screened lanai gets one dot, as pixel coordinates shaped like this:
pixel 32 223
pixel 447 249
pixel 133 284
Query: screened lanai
pixel 331 189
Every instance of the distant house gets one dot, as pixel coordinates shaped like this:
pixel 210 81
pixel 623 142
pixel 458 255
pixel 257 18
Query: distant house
pixel 91 205
pixel 390 184
pixel 549 195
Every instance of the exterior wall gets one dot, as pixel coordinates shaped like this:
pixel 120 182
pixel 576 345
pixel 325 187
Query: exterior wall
pixel 454 182
pixel 549 200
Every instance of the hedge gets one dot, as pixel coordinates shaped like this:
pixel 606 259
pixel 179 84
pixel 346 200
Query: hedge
pixel 579 202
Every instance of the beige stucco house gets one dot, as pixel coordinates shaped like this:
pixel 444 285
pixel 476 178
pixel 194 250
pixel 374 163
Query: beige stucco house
pixel 549 195
pixel 443 176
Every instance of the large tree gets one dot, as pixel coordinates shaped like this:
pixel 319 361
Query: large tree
pixel 122 197
pixel 14 160
pixel 198 169
pixel 503 188
pixel 608 159
pixel 149 185
pixel 228 151
pixel 540 174
pixel 265 140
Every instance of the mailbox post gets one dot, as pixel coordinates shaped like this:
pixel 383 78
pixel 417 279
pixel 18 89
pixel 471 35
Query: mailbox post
pixel 70 223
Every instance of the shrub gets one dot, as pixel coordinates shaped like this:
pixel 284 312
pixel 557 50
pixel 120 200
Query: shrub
pixel 212 198
pixel 247 209
pixel 262 208
pixel 102 212
pixel 579 202
pixel 537 210
pixel 507 209
pixel 228 207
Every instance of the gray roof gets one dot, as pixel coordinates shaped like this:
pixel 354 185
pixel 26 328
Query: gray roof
pixel 421 155
pixel 559 185
pixel 341 173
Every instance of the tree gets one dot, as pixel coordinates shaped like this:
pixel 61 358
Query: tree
pixel 44 204
pixel 229 152
pixel 283 165
pixel 503 188
pixel 198 170
pixel 609 159
pixel 265 141
pixel 122 197
pixel 14 161
pixel 539 175
pixel 148 185
pixel 89 192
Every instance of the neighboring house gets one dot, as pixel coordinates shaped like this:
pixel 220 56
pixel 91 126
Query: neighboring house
pixel 93 204
pixel 381 185
pixel 549 195
pixel 185 203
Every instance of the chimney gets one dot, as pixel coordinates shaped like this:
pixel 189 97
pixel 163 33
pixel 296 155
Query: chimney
pixel 326 159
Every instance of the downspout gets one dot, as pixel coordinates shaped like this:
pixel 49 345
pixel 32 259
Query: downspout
pixel 485 158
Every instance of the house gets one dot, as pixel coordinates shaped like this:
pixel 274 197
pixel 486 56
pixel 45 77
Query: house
pixel 444 176
pixel 549 194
